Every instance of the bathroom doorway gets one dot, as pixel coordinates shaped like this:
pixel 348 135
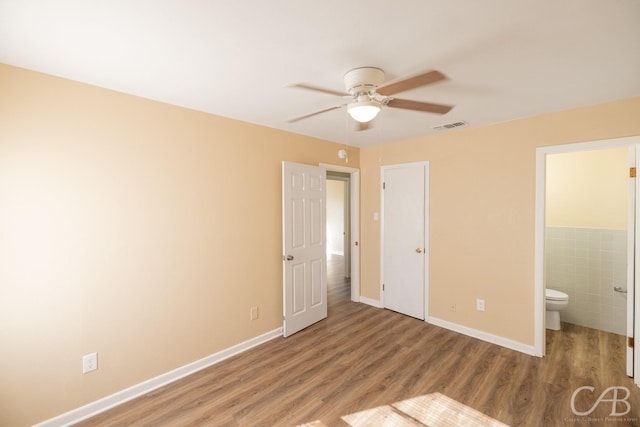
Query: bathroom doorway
pixel 585 236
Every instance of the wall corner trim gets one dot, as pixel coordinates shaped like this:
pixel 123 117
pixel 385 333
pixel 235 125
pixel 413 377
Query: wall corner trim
pixel 113 400
pixel 484 336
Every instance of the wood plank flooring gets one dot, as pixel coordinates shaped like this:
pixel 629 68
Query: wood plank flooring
pixel 364 364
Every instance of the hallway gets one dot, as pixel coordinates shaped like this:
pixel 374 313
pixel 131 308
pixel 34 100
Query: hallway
pixel 338 287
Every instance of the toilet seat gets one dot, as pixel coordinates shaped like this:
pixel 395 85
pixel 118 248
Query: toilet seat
pixel 553 295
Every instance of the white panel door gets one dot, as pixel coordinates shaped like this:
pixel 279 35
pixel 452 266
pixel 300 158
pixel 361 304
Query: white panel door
pixel 404 234
pixel 304 246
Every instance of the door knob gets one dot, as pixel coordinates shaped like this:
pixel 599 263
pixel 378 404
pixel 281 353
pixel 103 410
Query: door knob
pixel 289 257
pixel 419 250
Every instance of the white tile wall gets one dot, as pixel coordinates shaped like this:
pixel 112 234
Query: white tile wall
pixel 586 264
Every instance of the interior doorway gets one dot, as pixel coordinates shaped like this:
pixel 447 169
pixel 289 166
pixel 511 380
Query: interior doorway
pixel 338 223
pixel 338 236
pixel 349 261
pixel 586 236
pixel 593 233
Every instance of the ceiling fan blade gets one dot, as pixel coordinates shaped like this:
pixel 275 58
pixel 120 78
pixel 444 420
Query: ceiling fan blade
pixel 419 106
pixel 319 89
pixel 411 83
pixel 295 119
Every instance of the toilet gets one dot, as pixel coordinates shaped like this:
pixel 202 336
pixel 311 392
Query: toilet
pixel 556 301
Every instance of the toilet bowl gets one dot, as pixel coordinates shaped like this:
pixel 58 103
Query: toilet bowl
pixel 556 301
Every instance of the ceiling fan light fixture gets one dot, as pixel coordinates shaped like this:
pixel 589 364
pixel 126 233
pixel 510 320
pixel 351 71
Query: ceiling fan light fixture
pixel 368 93
pixel 364 109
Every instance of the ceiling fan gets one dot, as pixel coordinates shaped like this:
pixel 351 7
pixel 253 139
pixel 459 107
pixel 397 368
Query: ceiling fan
pixel 366 94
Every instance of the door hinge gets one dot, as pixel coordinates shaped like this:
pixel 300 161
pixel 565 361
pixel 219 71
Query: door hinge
pixel 384 185
pixel 630 342
pixel 383 286
pixel 632 172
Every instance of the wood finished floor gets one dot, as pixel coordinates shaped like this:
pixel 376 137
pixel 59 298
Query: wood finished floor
pixel 362 357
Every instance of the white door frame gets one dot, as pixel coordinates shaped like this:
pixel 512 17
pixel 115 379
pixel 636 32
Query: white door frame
pixel 354 192
pixel 632 259
pixel 426 231
pixel 539 298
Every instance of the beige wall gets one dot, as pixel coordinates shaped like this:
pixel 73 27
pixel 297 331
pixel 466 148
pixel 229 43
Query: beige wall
pixel 588 189
pixel 482 207
pixel 136 229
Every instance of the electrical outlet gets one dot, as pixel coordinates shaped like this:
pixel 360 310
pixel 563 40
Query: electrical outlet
pixel 89 362
pixel 452 307
pixel 480 304
pixel 254 313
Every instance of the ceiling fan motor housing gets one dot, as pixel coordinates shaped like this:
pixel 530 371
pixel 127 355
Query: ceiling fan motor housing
pixel 363 80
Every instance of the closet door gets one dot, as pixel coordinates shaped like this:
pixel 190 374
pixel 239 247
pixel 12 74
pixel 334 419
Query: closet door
pixel 404 235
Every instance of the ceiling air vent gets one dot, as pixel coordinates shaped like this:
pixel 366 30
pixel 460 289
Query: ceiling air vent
pixel 450 125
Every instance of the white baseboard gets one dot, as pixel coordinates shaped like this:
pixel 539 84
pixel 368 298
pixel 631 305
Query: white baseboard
pixel 372 302
pixel 484 336
pixel 101 405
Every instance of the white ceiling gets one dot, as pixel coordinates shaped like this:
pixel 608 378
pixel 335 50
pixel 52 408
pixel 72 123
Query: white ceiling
pixel 235 58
